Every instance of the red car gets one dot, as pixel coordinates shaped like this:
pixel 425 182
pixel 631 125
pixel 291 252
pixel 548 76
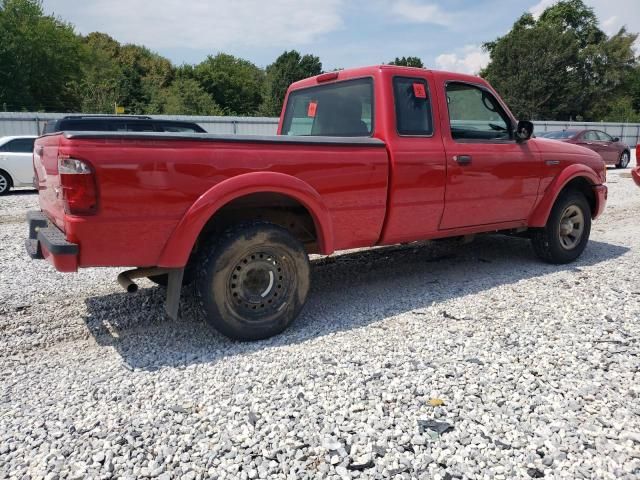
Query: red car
pixel 635 173
pixel 611 149
pixel 369 156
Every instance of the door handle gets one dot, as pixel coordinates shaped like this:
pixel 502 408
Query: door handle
pixel 462 159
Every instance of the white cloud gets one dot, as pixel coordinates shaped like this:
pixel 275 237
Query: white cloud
pixel 418 12
pixel 471 59
pixel 609 25
pixel 540 7
pixel 212 25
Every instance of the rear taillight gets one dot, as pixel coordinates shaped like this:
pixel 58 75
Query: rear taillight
pixel 78 183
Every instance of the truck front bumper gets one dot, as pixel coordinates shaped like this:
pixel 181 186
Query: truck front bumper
pixel 47 241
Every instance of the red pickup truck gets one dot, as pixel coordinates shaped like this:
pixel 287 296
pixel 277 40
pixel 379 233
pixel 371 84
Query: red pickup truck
pixel 368 156
pixel 635 173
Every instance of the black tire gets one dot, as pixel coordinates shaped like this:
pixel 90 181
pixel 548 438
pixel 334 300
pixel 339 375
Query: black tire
pixel 623 162
pixel 5 183
pixel 253 281
pixel 553 242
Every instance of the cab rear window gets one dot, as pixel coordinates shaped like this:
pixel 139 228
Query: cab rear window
pixel 342 109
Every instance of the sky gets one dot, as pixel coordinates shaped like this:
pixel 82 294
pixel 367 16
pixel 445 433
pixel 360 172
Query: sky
pixel 445 34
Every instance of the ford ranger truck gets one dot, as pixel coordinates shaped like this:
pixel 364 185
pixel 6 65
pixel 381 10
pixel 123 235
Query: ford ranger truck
pixel 362 157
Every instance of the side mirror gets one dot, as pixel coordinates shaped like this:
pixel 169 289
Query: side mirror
pixel 616 139
pixel 524 131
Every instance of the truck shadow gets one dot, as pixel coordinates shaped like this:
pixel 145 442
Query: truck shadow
pixel 349 291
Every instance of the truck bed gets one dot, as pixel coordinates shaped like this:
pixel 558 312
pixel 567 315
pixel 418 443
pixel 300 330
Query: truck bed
pixel 147 183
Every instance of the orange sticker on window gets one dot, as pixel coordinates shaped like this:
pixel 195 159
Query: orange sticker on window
pixel 419 91
pixel 311 111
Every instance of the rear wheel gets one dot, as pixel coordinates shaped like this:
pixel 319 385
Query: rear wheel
pixel 624 160
pixel 254 281
pixel 5 183
pixel 566 234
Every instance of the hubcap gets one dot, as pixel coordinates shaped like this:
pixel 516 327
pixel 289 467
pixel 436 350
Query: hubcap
pixel 258 284
pixel 571 227
pixel 3 183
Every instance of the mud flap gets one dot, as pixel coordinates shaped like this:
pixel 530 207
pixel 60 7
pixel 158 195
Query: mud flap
pixel 174 288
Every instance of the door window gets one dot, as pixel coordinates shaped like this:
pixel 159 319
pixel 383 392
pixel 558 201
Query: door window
pixel 475 114
pixel 413 108
pixel 604 137
pixel 19 145
pixel 591 136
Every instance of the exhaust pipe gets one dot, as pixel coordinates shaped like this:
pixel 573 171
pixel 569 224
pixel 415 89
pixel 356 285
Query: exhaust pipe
pixel 174 285
pixel 125 279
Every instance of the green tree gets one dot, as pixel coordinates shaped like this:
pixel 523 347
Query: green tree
pixel 233 83
pixel 561 66
pixel 128 75
pixel 102 85
pixel 185 96
pixel 145 74
pixel 408 62
pixel 40 59
pixel 288 68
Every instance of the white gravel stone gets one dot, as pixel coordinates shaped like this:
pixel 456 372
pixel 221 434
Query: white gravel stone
pixel 537 366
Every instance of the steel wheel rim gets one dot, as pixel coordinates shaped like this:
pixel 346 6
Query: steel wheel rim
pixel 259 284
pixel 625 159
pixel 571 227
pixel 4 184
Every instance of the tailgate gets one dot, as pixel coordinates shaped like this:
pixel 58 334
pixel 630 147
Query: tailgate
pixel 45 164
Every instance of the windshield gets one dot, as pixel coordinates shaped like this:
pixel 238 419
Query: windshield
pixel 561 134
pixel 342 109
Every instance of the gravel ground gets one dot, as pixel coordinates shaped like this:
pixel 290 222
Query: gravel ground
pixel 429 361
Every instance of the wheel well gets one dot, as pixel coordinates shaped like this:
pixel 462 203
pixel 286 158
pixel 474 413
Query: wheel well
pixel 8 176
pixel 584 186
pixel 270 207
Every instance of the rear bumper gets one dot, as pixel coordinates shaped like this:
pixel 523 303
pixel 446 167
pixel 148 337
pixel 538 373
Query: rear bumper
pixel 601 192
pixel 46 241
pixel 635 173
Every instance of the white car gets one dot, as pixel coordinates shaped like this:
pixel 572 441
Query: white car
pixel 16 162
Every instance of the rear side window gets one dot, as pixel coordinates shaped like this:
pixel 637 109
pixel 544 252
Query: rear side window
pixel 413 108
pixel 19 145
pixel 84 125
pixel 342 109
pixel 139 127
pixel 179 127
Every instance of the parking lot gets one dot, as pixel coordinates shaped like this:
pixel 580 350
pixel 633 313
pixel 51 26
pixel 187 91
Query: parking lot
pixel 531 370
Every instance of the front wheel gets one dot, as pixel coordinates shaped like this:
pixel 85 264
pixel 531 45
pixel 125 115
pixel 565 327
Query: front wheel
pixel 254 281
pixel 624 160
pixel 566 233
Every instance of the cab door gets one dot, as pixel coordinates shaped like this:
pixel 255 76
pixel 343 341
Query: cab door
pixel 609 149
pixel 491 178
pixel 417 177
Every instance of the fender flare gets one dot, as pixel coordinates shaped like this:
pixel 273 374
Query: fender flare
pixel 176 251
pixel 542 210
